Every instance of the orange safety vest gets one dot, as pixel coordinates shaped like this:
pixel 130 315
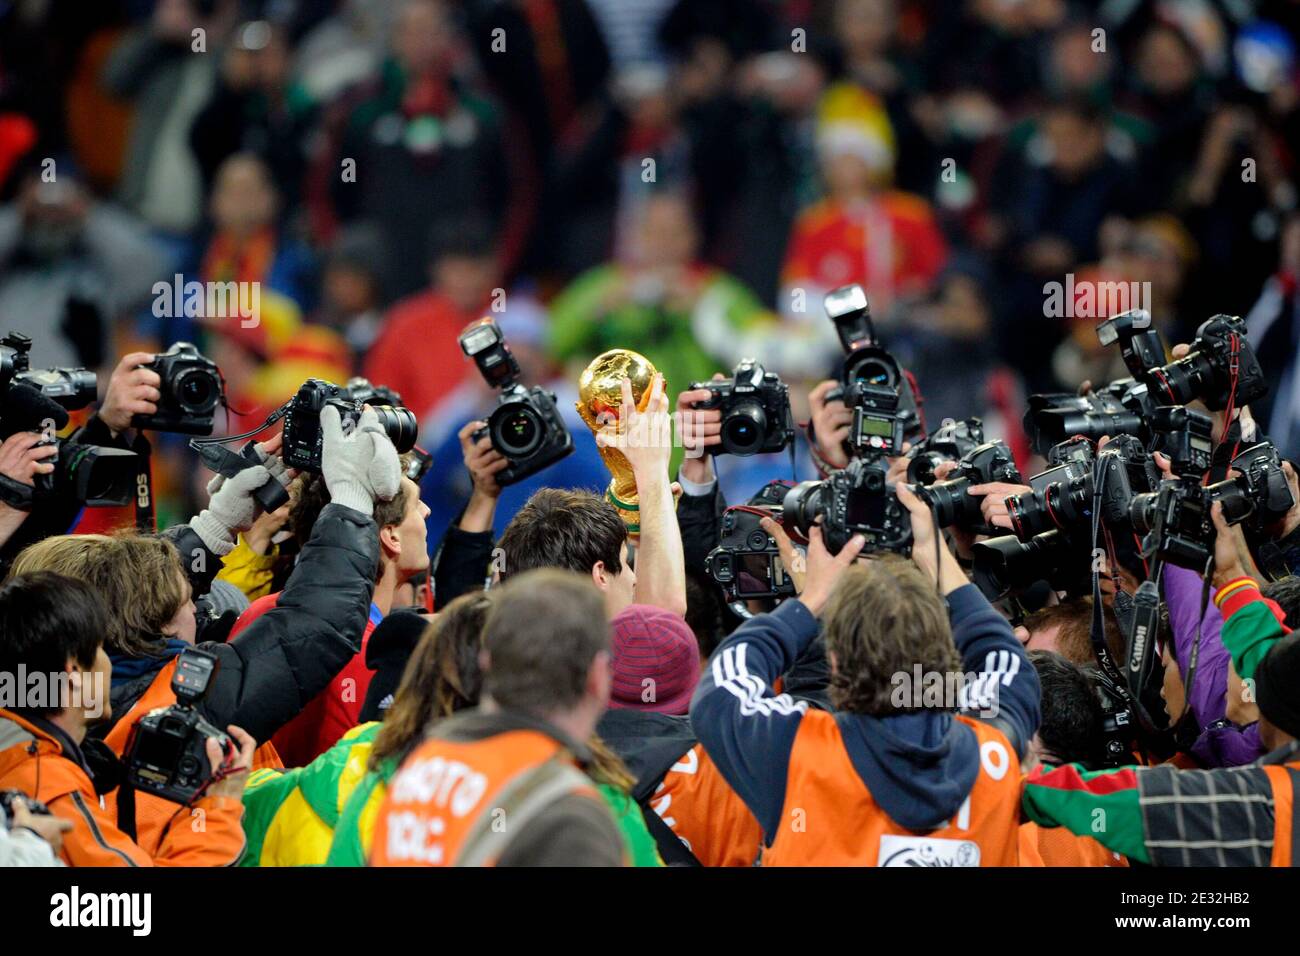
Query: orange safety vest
pixel 459 803
pixel 1057 846
pixel 1285 812
pixel 700 807
pixel 153 815
pixel 831 819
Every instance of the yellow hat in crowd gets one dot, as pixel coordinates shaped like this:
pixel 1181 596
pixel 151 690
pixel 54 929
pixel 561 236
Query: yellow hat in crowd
pixel 851 120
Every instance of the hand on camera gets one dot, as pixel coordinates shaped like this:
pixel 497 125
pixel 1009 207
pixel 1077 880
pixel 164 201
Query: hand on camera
pixel 481 460
pixel 22 460
pixel 701 429
pixel 831 422
pixel 232 508
pixel 1232 557
pixel 994 505
pixel 792 559
pixel 132 390
pixel 826 569
pixel 46 826
pixel 359 465
pixel 235 771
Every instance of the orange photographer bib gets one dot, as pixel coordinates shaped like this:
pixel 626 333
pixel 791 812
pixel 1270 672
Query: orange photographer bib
pixel 831 819
pixel 1286 812
pixel 459 804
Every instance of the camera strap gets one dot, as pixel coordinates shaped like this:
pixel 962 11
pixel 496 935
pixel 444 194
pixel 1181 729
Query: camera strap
pixel 15 494
pixel 126 807
pixel 146 521
pixel 198 443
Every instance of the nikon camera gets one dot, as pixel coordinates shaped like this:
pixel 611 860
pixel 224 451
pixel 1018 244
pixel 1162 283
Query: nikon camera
pixel 190 390
pixel 167 752
pixel 526 427
pixel 755 404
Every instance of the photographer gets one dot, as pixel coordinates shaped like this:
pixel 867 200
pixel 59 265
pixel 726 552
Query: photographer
pixel 53 626
pixel 1164 816
pixel 582 531
pixel 860 781
pixel 1072 731
pixel 270 671
pixel 403 553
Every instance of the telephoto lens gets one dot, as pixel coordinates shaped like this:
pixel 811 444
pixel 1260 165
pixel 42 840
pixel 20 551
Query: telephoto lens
pixel 399 424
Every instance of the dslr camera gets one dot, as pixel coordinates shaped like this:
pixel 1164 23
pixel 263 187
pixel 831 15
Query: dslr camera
pixel 1264 481
pixel 755 404
pixel 747 563
pixel 951 441
pixel 1005 564
pixel 855 500
pixel 303 439
pixel 190 390
pixel 1175 518
pixel 872 383
pixel 1220 367
pixel 167 752
pixel 951 500
pixel 525 428
pixel 84 474
pixel 1067 502
pixel 1054 418
pixel 72 388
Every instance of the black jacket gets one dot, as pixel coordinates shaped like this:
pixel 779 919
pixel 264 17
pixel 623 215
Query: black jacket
pixel 287 656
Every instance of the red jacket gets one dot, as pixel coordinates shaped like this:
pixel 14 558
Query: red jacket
pixel 416 353
pixel 332 712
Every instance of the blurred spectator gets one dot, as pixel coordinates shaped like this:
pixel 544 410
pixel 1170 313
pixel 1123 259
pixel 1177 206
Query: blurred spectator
pixel 157 67
pixel 246 245
pixel 70 268
pixel 863 231
pixel 352 290
pixel 256 109
pixel 425 148
pixel 463 274
pixel 660 300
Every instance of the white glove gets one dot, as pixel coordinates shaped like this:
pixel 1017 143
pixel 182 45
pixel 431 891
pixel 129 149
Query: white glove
pixel 361 465
pixel 231 510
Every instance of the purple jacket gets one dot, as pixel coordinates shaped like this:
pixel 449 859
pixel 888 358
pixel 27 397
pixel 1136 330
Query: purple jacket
pixel 1221 743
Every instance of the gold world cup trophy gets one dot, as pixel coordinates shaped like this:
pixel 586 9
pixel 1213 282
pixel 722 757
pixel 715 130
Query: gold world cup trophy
pixel 600 400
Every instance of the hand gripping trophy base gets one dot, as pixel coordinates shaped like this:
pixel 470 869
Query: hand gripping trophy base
pixel 600 400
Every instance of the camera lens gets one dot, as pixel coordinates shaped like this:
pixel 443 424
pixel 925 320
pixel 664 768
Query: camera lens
pixel 399 424
pixel 951 503
pixel 743 429
pixel 1142 511
pixel 516 430
pixel 197 391
pixel 871 366
pixel 802 504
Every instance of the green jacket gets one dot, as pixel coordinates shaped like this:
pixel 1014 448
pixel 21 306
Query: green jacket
pixel 323 814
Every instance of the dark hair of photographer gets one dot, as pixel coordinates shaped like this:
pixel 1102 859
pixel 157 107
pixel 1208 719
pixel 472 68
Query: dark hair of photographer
pixel 704 612
pixel 140 578
pixel 1286 592
pixel 46 620
pixel 1072 727
pixel 558 528
pixel 884 618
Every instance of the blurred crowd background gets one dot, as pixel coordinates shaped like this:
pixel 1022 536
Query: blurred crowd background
pixel 682 177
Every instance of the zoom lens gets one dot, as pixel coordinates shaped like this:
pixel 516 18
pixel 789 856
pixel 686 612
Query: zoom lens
pixel 803 504
pixel 516 430
pixel 952 505
pixel 743 429
pixel 197 391
pixel 399 424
